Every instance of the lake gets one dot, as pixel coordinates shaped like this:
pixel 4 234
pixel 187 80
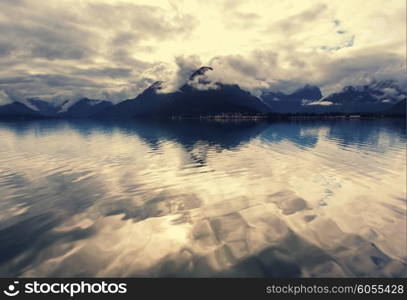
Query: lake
pixel 312 198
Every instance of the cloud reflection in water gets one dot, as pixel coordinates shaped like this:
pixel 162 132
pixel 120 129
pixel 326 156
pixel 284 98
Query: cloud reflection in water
pixel 280 199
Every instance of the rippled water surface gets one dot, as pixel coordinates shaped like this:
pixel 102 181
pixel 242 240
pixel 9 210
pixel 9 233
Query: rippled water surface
pixel 278 199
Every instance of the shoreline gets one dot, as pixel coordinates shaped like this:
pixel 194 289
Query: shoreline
pixel 223 117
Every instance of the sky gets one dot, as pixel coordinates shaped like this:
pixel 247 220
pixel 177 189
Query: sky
pixel 113 49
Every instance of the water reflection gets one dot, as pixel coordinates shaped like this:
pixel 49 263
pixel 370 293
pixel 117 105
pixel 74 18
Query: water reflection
pixel 131 198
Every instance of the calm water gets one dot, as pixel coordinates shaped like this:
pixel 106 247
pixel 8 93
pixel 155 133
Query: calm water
pixel 282 199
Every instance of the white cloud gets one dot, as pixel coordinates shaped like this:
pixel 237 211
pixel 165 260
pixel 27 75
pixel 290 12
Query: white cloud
pixel 4 98
pixel 322 103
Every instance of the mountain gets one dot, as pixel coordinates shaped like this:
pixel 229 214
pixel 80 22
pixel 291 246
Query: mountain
pixel 83 108
pixel 18 110
pixel 43 107
pixel 144 104
pixel 308 92
pixel 200 74
pixel 398 109
pixel 372 98
pixel 201 96
pixel 35 107
pixel 198 96
pixel 294 102
pixel 375 97
pixel 217 100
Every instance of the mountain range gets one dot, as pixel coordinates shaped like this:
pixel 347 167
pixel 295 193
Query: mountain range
pixel 377 97
pixel 198 96
pixel 201 96
pixel 294 102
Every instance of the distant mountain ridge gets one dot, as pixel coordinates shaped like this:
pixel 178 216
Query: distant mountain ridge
pixel 291 103
pixel 85 108
pixel 200 96
pixel 18 110
pixel 377 97
pixel 43 107
pixel 372 98
pixel 398 109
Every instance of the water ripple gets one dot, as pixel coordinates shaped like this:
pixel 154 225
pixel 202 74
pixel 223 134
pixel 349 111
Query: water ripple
pixel 278 199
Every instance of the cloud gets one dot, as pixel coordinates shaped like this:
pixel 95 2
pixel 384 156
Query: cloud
pixel 174 74
pixel 293 24
pixel 78 49
pixel 236 16
pixel 114 49
pixel 344 44
pixel 4 98
pixel 32 38
pixel 105 72
pixel 145 21
pixel 6 48
pixel 186 65
pixel 362 67
pixel 321 103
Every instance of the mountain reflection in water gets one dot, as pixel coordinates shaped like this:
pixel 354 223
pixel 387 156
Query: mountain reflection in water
pixel 190 198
